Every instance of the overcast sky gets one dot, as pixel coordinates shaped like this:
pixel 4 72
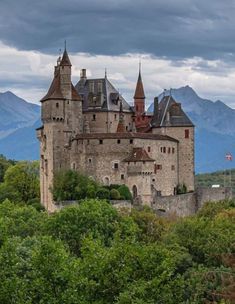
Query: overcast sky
pixel 181 42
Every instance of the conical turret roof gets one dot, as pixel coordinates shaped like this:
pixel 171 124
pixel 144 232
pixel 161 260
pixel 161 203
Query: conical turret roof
pixel 139 91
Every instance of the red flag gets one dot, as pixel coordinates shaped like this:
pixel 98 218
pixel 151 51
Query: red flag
pixel 229 156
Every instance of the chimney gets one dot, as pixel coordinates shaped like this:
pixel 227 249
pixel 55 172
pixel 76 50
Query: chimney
pixel 155 111
pixel 83 74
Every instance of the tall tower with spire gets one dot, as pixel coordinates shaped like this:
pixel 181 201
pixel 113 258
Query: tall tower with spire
pixel 139 97
pixel 62 118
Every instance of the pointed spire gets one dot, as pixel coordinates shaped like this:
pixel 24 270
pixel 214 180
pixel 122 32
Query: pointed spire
pixel 65 59
pixel 139 91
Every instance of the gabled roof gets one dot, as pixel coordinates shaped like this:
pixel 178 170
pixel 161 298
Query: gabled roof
pixel 139 91
pixel 171 114
pixel 138 154
pixel 111 97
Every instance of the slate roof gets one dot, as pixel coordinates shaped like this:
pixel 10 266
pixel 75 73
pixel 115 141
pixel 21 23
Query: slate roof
pixel 138 154
pixel 111 97
pixel 176 116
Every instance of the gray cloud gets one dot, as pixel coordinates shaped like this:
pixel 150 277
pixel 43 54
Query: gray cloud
pixel 170 28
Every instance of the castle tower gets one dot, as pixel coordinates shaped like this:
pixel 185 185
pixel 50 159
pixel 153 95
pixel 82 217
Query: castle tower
pixel 61 114
pixel 139 97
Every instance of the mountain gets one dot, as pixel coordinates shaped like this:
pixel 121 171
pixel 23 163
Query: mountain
pixel 215 129
pixel 16 113
pixel 18 120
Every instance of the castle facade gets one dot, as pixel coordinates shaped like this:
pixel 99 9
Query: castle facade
pixel 92 129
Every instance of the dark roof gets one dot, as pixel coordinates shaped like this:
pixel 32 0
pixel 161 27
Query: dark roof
pixel 139 91
pixel 126 135
pixel 171 114
pixel 138 154
pixel 54 91
pixel 106 96
pixel 65 59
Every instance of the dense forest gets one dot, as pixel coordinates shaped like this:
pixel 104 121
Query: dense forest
pixel 92 253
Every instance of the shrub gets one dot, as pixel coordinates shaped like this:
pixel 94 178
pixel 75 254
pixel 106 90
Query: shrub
pixel 114 194
pixel 103 193
pixel 125 192
pixel 181 189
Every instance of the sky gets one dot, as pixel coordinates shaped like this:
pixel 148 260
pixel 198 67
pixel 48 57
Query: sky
pixel 179 42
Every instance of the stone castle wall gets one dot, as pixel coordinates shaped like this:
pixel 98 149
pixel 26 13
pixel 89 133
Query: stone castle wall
pixel 189 203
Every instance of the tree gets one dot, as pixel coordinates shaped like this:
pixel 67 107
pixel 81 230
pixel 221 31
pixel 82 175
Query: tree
pixel 23 179
pixel 70 185
pixel 91 217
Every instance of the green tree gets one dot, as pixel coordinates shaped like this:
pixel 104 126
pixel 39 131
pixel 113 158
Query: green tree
pixel 23 180
pixel 91 217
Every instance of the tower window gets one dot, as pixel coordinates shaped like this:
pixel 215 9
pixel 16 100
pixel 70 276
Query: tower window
pixel 173 150
pixel 131 141
pixel 169 150
pixel 115 165
pixel 173 168
pixel 115 116
pixel 186 133
pixel 101 141
pixel 94 117
pixel 122 176
pixel 164 149
pixel 57 105
pixel 149 149
pixel 89 160
pixel 118 141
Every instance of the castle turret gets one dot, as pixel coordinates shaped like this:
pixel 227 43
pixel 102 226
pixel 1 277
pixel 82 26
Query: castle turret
pixel 139 97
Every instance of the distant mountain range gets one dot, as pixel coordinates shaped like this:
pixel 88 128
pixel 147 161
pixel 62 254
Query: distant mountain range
pixel 18 120
pixel 215 128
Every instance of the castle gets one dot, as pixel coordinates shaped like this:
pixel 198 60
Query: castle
pixel 92 129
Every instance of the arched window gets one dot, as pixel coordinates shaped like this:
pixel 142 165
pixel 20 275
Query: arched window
pixel 106 181
pixel 134 191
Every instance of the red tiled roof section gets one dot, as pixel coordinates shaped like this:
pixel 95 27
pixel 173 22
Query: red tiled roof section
pixel 138 154
pixel 75 95
pixel 65 59
pixel 139 91
pixel 54 91
pixel 121 127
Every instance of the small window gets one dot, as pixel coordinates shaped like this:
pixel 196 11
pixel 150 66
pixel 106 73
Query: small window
pixel 115 116
pixel 157 167
pixel 153 180
pixel 143 162
pixel 131 141
pixel 126 128
pixel 173 150
pixel 164 149
pixel 94 117
pixel 173 168
pixel 161 149
pixel 119 141
pixel 57 105
pixel 159 193
pixel 149 149
pixel 186 133
pixel 88 141
pixel 89 160
pixel 101 141
pixel 169 150
pixel 122 176
pixel 115 165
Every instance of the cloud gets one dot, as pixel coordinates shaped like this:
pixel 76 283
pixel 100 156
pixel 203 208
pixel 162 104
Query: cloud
pixel 164 28
pixel 29 73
